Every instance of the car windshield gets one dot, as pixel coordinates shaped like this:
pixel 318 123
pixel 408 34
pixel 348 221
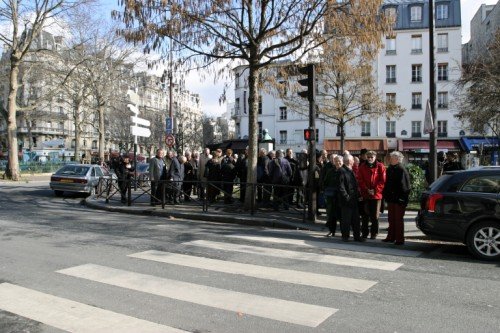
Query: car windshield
pixel 73 170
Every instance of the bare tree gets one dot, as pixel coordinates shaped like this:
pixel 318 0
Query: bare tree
pixel 479 100
pixel 256 33
pixel 26 20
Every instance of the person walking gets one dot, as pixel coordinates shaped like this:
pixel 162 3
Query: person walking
pixel 371 180
pixel 157 174
pixel 228 173
pixel 241 171
pixel 348 200
pixel 396 193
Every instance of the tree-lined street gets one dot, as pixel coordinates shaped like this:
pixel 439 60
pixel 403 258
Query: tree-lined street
pixel 101 268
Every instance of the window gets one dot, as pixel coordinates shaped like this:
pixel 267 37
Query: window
pixel 61 110
pixel 49 124
pixel 94 144
pixel 390 45
pixel 416 13
pixel 73 143
pixel 390 129
pixel 416 44
pixel 442 72
pixel 442 126
pixel 283 113
pixel 416 73
pixel 390 98
pixel 482 184
pixel 61 126
pixel 245 102
pixel 238 130
pixel 237 80
pixel 283 88
pixel 365 128
pixel 390 74
pixel 442 12
pixel 237 106
pixel 259 124
pixel 391 12
pixel 416 131
pixel 416 101
pixel 339 131
pixel 442 100
pixel 283 137
pixel 260 105
pixel 365 102
pixel 442 42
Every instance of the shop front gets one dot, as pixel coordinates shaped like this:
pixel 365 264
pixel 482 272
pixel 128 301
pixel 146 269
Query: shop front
pixel 481 150
pixel 416 151
pixel 354 146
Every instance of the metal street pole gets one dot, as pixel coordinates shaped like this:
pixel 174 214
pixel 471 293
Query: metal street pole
pixel 432 97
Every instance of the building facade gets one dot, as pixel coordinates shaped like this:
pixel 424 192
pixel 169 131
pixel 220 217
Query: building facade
pixel 402 76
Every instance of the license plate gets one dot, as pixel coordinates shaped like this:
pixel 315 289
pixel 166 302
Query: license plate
pixel 66 180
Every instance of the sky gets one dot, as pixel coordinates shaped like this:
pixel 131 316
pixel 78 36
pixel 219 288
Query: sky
pixel 210 92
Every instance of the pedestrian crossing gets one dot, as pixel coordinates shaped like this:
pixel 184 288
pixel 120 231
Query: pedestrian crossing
pixel 73 316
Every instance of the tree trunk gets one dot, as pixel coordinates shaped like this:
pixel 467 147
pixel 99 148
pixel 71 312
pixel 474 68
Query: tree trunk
pixel 12 171
pixel 342 137
pixel 101 131
pixel 76 118
pixel 253 136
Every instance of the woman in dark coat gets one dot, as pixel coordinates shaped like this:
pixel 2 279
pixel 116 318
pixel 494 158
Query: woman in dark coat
pixel 396 193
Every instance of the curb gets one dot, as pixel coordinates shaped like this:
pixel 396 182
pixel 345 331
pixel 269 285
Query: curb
pixel 253 221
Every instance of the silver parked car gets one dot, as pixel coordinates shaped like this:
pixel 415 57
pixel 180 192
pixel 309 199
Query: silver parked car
pixel 80 178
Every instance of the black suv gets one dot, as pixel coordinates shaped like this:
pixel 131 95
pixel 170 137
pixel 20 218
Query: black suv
pixel 464 206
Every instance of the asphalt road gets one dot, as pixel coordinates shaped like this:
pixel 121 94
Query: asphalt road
pixel 65 267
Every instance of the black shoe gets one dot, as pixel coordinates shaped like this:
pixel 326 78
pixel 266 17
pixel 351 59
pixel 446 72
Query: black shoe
pixel 373 236
pixel 399 243
pixel 329 234
pixel 387 240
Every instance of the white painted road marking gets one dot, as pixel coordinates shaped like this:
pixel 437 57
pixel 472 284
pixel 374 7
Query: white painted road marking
pixel 266 307
pixel 329 245
pixel 286 254
pixel 261 272
pixel 72 316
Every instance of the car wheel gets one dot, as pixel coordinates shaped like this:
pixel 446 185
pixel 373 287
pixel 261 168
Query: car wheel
pixel 58 193
pixel 483 240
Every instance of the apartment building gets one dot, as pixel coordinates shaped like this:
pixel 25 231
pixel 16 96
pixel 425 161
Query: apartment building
pixel 402 76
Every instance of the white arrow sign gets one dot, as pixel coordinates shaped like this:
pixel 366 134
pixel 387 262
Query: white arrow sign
pixel 140 131
pixel 140 121
pixel 133 97
pixel 133 108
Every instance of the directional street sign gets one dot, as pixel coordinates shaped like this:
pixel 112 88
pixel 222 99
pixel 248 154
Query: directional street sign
pixel 170 140
pixel 140 121
pixel 133 108
pixel 140 131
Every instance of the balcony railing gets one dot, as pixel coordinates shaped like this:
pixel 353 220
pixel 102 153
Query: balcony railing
pixel 390 134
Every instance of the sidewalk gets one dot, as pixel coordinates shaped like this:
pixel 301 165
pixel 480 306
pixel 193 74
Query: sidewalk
pixel 233 213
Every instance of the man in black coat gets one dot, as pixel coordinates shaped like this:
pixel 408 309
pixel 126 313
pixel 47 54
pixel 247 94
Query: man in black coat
pixel 280 173
pixel 348 193
pixel 242 169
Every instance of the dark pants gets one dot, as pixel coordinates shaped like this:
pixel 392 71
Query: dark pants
pixel 243 189
pixel 396 212
pixel 332 213
pixel 350 219
pixel 371 214
pixel 227 186
pixel 123 185
pixel 279 196
pixel 156 192
pixel 187 187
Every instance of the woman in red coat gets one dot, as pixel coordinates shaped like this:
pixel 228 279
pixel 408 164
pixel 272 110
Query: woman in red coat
pixel 371 180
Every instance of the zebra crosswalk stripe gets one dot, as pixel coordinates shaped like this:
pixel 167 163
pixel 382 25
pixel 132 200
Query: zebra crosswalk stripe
pixel 72 316
pixel 262 272
pixel 305 256
pixel 329 245
pixel 262 306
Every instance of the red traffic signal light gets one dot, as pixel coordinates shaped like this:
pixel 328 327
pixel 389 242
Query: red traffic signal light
pixel 308 134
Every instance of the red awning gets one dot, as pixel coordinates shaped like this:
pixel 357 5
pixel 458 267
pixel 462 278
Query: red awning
pixel 423 145
pixel 355 146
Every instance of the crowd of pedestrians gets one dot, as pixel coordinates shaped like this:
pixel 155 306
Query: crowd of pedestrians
pixel 352 189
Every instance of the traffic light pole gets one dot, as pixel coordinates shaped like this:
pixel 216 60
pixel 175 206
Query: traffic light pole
pixel 310 93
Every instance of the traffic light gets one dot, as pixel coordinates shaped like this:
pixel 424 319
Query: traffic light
pixel 309 82
pixel 309 134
